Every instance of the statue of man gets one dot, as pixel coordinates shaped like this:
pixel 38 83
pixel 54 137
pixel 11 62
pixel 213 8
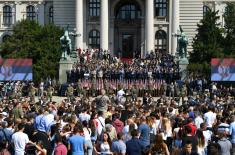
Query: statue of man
pixel 66 44
pixel 182 43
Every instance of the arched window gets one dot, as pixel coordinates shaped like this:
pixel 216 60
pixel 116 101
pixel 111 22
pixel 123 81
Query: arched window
pixel 30 11
pixel 128 11
pixel 161 7
pixel 94 8
pixel 94 39
pixel 5 38
pixel 51 15
pixel 161 40
pixel 205 9
pixel 7 15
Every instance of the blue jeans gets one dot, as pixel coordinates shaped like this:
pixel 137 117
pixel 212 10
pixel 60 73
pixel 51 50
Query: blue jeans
pixel 89 147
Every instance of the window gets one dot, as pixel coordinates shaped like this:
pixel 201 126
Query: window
pixel 5 38
pixel 128 11
pixel 30 11
pixel 7 15
pixel 94 8
pixel 94 39
pixel 161 41
pixel 51 15
pixel 205 10
pixel 161 8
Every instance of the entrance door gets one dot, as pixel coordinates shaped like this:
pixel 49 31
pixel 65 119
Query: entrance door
pixel 127 45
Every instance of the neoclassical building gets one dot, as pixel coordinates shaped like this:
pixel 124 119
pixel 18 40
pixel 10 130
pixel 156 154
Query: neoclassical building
pixel 126 26
pixel 12 11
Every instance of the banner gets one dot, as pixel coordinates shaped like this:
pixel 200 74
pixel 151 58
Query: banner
pixel 223 69
pixel 16 69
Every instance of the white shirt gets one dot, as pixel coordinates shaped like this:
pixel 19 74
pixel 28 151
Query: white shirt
pixel 125 130
pixel 207 135
pixel 19 139
pixel 50 118
pixel 87 134
pixel 41 86
pixel 198 120
pixel 209 118
pixel 101 124
pixel 120 93
pixel 84 117
pixel 214 87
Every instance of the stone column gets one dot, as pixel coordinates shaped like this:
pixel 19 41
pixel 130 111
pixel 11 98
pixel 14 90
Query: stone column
pixel 149 35
pixel 104 25
pixel 170 26
pixel 41 13
pixel 175 25
pixel 79 24
pixel 111 35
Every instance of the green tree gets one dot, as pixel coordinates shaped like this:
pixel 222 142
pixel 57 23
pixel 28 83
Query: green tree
pixel 207 42
pixel 229 41
pixel 41 43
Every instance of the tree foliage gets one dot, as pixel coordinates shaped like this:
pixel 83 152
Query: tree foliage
pixel 41 43
pixel 208 41
pixel 229 41
pixel 213 41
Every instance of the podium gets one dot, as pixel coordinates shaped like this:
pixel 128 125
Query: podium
pixel 183 63
pixel 65 65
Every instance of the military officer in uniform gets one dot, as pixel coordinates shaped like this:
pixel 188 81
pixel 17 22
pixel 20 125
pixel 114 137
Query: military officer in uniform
pixel 79 88
pixel 32 92
pixel 50 91
pixel 134 93
pixel 69 92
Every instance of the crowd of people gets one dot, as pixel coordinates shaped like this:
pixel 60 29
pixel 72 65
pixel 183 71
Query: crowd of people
pixel 96 70
pixel 100 65
pixel 110 110
pixel 199 122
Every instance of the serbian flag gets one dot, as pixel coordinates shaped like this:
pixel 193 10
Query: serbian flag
pixel 222 69
pixel 16 69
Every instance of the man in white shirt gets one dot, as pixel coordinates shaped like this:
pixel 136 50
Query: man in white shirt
pixel 198 120
pixel 120 94
pixel 41 88
pixel 206 133
pixel 210 117
pixel 83 116
pixel 101 122
pixel 19 140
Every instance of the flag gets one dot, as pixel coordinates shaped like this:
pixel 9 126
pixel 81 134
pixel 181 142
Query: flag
pixel 16 69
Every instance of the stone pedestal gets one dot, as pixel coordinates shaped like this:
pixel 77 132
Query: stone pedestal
pixel 183 63
pixel 65 65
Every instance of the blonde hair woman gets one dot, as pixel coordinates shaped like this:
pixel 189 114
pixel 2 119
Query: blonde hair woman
pixel 166 132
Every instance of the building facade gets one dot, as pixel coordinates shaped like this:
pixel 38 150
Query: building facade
pixel 128 27
pixel 12 11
